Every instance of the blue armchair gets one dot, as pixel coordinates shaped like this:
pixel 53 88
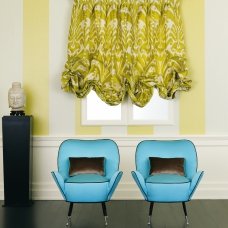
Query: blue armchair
pixel 88 188
pixel 166 187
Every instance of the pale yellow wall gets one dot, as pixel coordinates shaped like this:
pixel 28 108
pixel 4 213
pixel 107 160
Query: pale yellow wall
pixel 192 104
pixel 36 62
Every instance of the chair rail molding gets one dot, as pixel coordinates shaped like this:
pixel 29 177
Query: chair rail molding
pixel 212 153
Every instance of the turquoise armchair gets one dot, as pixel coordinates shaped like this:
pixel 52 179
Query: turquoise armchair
pixel 166 187
pixel 88 188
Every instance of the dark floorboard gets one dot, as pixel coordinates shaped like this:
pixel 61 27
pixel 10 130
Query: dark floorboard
pixel 122 214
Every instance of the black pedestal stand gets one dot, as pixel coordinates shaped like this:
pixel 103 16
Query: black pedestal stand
pixel 17 156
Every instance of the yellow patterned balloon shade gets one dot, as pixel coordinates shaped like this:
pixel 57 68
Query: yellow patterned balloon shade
pixel 119 47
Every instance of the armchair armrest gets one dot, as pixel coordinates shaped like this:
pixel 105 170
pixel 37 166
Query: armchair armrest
pixel 140 182
pixel 58 178
pixel 113 183
pixel 195 181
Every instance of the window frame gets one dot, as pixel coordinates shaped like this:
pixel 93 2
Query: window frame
pixel 126 116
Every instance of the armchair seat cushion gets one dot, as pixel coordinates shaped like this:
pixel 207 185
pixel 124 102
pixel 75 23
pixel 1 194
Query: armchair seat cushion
pixel 167 188
pixel 167 179
pixel 87 178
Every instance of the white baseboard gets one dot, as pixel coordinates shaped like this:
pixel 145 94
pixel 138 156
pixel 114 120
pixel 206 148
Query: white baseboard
pixel 132 141
pixel 212 158
pixel 1 191
pixel 127 191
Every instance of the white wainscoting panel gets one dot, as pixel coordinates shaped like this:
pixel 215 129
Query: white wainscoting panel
pixel 212 157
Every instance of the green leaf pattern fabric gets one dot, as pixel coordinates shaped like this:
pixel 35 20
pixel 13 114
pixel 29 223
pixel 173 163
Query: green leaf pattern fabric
pixel 120 47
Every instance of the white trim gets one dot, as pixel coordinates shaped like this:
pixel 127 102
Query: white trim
pixel 130 141
pixel 126 141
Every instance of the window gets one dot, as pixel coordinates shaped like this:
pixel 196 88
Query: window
pixel 95 112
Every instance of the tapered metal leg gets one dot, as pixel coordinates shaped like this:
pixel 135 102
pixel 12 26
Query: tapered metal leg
pixel 150 212
pixel 68 224
pixel 105 213
pixel 185 212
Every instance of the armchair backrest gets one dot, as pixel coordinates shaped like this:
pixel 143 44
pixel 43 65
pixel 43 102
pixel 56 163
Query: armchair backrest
pixel 89 148
pixel 166 149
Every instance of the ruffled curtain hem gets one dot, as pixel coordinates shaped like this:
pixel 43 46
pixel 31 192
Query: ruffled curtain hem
pixel 110 96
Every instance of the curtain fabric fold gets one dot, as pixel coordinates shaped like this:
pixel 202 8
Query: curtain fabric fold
pixel 119 47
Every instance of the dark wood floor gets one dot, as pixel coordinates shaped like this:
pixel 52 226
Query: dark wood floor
pixel 122 214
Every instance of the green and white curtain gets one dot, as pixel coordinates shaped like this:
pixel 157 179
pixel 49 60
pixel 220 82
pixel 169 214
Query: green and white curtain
pixel 119 47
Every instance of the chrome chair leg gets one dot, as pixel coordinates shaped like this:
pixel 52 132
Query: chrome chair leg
pixel 105 213
pixel 68 224
pixel 150 212
pixel 185 213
